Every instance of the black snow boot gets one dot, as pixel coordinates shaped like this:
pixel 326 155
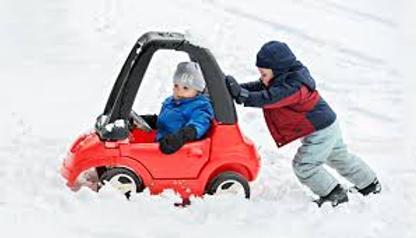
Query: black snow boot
pixel 337 196
pixel 374 187
pixel 185 202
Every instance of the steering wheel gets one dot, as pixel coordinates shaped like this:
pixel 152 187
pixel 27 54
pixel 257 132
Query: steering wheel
pixel 139 122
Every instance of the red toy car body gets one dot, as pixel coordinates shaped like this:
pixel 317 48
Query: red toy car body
pixel 130 159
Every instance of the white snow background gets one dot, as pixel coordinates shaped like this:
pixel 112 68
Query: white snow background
pixel 59 60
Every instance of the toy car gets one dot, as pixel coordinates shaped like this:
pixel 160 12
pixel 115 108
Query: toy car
pixel 128 158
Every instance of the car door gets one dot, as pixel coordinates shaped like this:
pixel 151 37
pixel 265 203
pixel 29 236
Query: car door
pixel 186 163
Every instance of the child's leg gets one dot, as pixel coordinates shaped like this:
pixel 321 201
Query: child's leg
pixel 310 157
pixel 349 165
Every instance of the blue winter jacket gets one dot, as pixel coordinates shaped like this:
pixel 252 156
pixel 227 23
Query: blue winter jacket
pixel 177 114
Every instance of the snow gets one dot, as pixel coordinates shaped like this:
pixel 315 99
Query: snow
pixel 59 60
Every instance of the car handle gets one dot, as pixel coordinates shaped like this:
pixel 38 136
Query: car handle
pixel 195 152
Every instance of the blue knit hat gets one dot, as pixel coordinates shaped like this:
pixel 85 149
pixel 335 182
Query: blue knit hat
pixel 275 55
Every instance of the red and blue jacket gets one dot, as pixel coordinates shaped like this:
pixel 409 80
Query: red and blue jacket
pixel 291 104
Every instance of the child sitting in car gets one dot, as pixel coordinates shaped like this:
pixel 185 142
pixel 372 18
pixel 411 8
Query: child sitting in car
pixel 186 115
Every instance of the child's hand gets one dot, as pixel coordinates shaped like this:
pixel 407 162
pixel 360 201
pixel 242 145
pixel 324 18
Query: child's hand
pixel 173 142
pixel 233 86
pixel 238 93
pixel 151 119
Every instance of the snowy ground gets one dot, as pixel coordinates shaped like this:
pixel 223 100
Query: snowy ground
pixel 59 60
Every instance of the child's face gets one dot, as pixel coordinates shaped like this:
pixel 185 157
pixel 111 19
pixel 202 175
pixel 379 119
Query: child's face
pixel 266 75
pixel 180 91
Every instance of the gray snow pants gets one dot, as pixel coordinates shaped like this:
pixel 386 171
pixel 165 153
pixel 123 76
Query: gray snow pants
pixel 327 147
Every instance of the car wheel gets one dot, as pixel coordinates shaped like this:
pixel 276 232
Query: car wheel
pixel 229 183
pixel 123 180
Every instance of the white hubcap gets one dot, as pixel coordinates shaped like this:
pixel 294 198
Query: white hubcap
pixel 230 187
pixel 123 183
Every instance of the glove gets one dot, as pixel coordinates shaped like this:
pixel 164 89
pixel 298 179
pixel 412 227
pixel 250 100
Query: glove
pixel 173 142
pixel 151 119
pixel 237 92
pixel 148 118
pixel 233 86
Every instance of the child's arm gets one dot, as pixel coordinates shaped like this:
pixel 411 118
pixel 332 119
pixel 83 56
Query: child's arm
pixel 250 86
pixel 253 86
pixel 201 119
pixel 276 96
pixel 173 142
pixel 197 126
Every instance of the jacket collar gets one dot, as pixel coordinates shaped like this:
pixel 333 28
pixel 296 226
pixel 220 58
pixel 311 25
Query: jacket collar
pixel 172 100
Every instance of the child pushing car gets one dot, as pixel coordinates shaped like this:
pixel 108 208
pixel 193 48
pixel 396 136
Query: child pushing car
pixel 293 109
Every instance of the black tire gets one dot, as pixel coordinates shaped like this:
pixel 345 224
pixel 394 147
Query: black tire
pixel 126 177
pixel 232 177
pixel 100 171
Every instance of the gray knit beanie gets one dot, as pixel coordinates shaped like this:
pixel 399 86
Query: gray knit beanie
pixel 189 74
